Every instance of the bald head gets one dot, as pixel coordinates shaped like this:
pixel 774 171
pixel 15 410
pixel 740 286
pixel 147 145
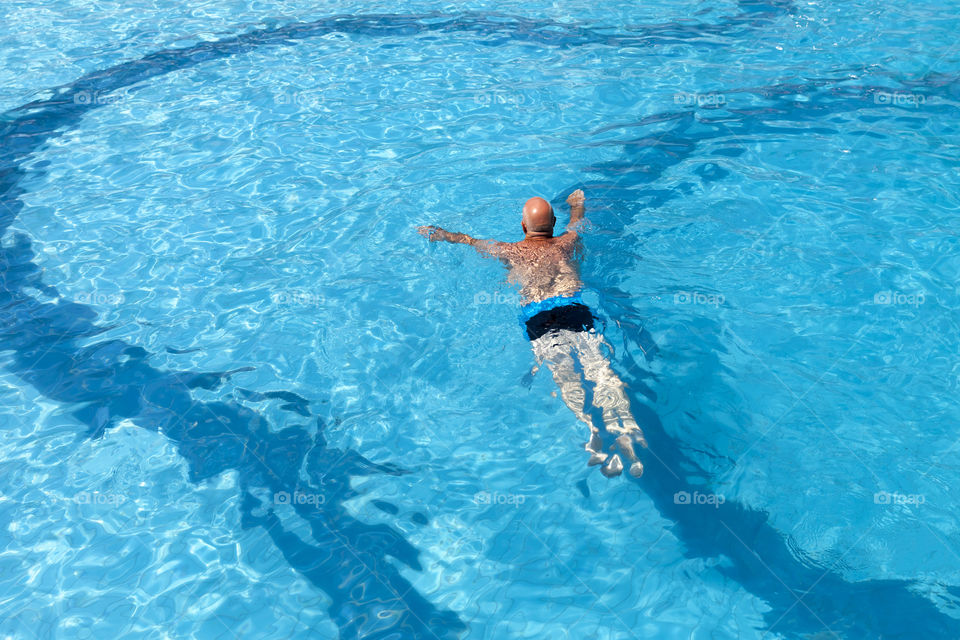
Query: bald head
pixel 538 218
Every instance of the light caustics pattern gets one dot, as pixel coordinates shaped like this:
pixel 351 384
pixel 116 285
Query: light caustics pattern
pixel 55 349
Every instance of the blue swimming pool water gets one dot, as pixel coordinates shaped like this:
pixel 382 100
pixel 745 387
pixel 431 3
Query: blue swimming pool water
pixel 241 397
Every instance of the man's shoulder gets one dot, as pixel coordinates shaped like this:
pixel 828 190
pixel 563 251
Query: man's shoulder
pixel 566 239
pixel 509 247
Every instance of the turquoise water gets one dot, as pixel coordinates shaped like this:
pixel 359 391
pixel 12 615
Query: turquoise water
pixel 242 397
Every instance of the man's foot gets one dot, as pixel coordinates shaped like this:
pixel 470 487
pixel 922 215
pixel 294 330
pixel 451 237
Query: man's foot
pixel 613 468
pixel 593 447
pixel 625 444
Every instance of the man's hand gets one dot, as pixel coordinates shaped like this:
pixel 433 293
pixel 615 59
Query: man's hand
pixel 575 199
pixel 430 232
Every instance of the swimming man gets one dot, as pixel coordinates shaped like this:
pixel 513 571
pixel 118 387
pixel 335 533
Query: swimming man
pixel 560 326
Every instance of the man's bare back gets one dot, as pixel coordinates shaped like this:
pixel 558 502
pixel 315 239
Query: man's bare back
pixel 544 268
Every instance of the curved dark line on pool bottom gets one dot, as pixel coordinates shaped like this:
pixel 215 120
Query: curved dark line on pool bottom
pixel 226 435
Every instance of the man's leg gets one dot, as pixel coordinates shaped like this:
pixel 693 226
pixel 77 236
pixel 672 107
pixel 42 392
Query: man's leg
pixel 609 396
pixel 556 351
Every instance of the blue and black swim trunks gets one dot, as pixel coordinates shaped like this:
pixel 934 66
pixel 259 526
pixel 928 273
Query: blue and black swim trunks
pixel 556 314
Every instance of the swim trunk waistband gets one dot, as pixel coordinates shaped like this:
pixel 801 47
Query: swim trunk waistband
pixel 531 309
pixel 570 315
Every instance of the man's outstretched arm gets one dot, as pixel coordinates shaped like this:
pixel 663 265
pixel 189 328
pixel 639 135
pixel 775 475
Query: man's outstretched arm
pixel 436 234
pixel 575 200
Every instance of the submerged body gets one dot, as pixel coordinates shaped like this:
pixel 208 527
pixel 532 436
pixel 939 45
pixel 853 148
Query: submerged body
pixel 560 326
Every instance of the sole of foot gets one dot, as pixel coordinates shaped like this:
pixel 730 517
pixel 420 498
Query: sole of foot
pixel 613 468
